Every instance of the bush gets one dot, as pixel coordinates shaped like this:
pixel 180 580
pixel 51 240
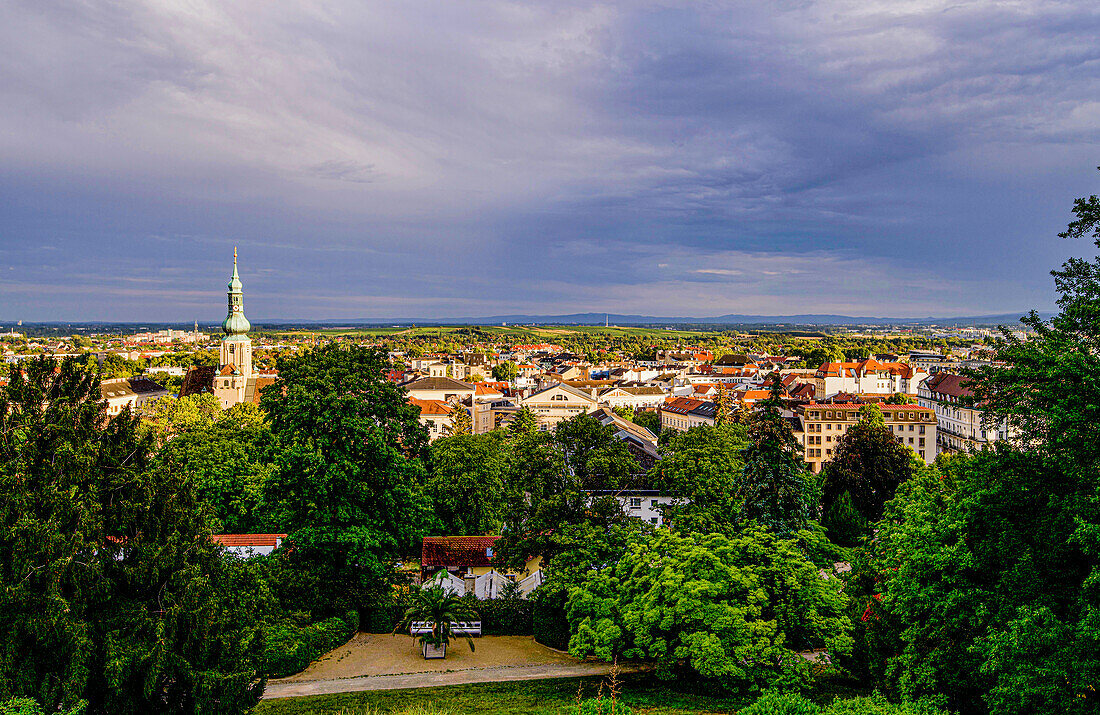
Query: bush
pixel 30 706
pixel 548 622
pixel 291 648
pixel 878 705
pixel 776 703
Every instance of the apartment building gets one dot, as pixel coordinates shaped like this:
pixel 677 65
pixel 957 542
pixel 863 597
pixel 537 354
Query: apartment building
pixel 960 427
pixel 823 425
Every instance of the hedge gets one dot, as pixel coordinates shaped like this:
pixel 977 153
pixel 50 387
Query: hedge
pixel 290 648
pixel 503 616
pixel 548 623
pixel 498 616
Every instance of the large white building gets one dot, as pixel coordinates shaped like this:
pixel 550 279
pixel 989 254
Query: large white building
pixel 867 377
pixel 960 426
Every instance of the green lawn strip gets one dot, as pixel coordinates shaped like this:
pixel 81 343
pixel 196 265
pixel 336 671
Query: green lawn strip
pixel 537 697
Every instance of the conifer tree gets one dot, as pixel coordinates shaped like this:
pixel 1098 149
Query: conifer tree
pixel 112 593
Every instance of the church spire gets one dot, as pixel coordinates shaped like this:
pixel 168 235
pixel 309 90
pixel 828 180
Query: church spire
pixel 235 323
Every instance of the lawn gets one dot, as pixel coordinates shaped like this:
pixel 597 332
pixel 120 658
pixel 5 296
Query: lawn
pixel 536 697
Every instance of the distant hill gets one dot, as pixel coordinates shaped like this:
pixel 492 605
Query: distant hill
pixel 732 319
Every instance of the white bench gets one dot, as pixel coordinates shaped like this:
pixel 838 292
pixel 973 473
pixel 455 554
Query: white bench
pixel 461 628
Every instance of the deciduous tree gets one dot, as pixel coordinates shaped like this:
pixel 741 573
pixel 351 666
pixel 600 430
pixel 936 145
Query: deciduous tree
pixel 349 474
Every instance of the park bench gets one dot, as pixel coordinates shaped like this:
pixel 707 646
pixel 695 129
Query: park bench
pixel 459 628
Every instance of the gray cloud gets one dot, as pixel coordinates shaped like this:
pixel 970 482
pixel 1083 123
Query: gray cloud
pixel 442 158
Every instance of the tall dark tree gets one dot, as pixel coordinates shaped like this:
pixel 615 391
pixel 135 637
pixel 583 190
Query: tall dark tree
pixel 349 478
pixel 775 488
pixel 868 464
pixel 111 589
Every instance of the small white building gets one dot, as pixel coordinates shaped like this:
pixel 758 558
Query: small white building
pixel 248 545
pixel 133 391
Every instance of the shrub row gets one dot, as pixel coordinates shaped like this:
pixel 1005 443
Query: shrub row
pixel 290 648
pixel 776 703
pixel 499 616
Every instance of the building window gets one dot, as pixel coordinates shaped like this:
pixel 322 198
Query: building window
pixel 635 502
pixel 652 520
pixel 652 503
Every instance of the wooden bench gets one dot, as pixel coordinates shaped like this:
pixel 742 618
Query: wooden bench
pixel 461 628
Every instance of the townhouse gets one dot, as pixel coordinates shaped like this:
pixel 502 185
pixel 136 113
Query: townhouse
pixel 683 413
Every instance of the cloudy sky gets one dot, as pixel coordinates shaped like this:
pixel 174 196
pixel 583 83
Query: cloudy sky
pixel 443 159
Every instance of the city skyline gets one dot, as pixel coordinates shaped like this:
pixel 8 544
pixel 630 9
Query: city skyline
pixel 871 159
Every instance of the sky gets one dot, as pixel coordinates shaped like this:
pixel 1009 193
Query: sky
pixel 457 159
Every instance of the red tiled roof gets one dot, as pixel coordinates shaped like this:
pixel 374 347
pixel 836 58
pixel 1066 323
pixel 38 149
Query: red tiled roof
pixel 431 407
pixel 947 384
pixel 456 551
pixel 271 540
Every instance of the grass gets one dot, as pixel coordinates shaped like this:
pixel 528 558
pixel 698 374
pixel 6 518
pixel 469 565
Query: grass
pixel 535 697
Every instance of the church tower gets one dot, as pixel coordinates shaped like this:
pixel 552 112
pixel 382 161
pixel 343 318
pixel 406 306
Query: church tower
pixel 236 358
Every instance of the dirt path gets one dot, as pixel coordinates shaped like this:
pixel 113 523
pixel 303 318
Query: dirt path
pixel 286 688
pixel 384 662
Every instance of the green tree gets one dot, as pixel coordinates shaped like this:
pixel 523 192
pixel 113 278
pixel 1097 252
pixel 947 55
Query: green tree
pixel 724 400
pixel 505 371
pixel 460 422
pixel 987 569
pixel 170 416
pixel 701 468
pixel 524 422
pixel 229 462
pixel 775 488
pixel 112 592
pixel 650 419
pixel 546 496
pixel 593 456
pixel 467 483
pixel 349 474
pixel 868 464
pixel 899 398
pixel 736 611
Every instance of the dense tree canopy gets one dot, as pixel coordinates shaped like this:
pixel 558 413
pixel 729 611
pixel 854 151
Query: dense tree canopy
pixel 467 484
pixel 701 467
pixel 868 465
pixel 734 610
pixel 229 460
pixel 984 573
pixel 775 489
pixel 349 476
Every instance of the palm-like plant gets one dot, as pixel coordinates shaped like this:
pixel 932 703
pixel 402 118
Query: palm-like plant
pixel 436 606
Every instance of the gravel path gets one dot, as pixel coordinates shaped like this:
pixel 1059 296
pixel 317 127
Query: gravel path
pixel 289 688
